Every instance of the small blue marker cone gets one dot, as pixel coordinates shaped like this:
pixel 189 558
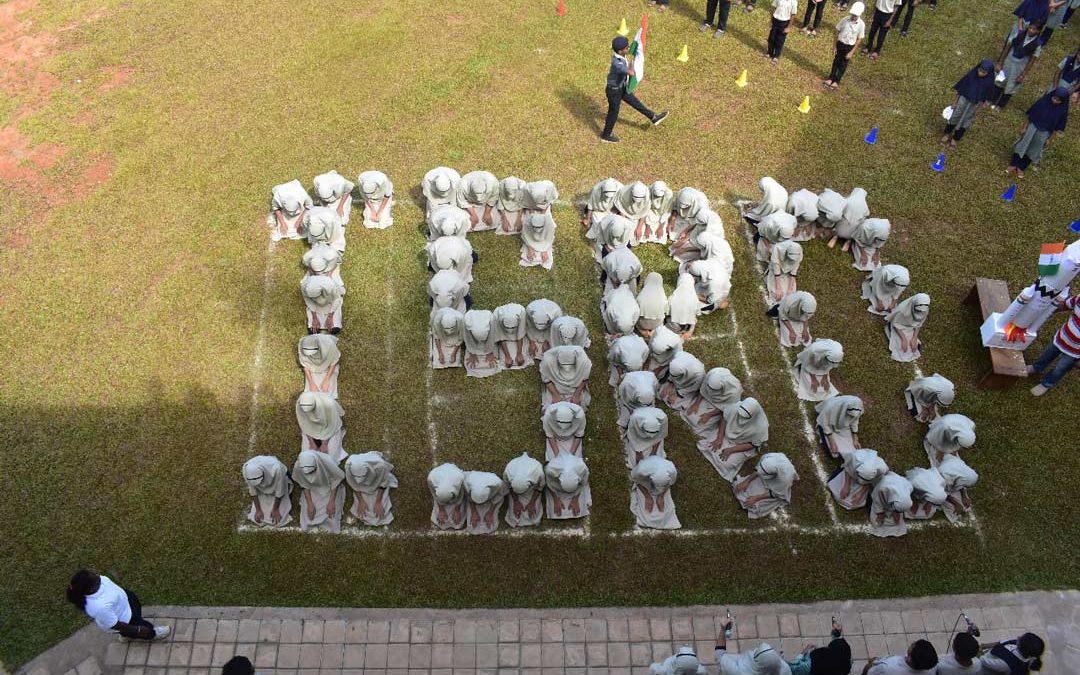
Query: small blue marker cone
pixel 871 138
pixel 1009 194
pixel 1075 226
pixel 939 165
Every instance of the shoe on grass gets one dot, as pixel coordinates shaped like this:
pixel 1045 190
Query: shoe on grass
pixel 719 33
pixel 1039 390
pixel 612 138
pixel 658 118
pixel 705 27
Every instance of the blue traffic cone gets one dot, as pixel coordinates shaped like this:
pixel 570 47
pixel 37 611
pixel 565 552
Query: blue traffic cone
pixel 939 165
pixel 1009 194
pixel 871 138
pixel 1075 226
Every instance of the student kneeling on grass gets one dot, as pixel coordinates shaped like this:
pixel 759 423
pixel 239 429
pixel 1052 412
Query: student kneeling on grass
pixel 849 32
pixel 111 607
pixel 1045 120
pixel 921 657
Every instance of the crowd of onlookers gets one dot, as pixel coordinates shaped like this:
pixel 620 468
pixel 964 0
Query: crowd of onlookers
pixel 118 610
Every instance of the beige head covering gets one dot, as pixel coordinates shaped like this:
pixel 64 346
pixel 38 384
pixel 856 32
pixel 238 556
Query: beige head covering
pixel 479 334
pixel 446 483
pixel 647 426
pixel 638 389
pixel 315 471
pixel 777 226
pixel 330 186
pixel 322 224
pixel 651 299
pixel 448 221
pixel 720 388
pixel 746 423
pixel 773 198
pixel 569 330
pixel 865 464
pixel 689 201
pixel 484 486
pixel 683 305
pixel 615 231
pixel 321 258
pixel 538 232
pixel 440 184
pixel 831 205
pixel 290 197
pixel 787 256
pixel 633 200
pixel 777 473
pixel 628 352
pixel 686 372
pixel 956 473
pixel 563 420
pixel 951 433
pixel 478 188
pixel 447 288
pixel 621 311
pixel 540 194
pixel 797 306
pixel 910 313
pixel 511 194
pixel 658 474
pixel 566 367
pixel 266 475
pixel 664 345
pixel 840 413
pixel 803 204
pixel 321 293
pixel 318 353
pixel 319 415
pixel 820 356
pixel 369 471
pixel 374 185
pixel 539 314
pixel 508 322
pixel 892 493
pixel 523 474
pixel 660 199
pixel 448 326
pixel 603 194
pixel 621 265
pixel 566 473
pixel 872 232
pixel 927 485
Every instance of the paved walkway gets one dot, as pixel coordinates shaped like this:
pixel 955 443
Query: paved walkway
pixel 575 641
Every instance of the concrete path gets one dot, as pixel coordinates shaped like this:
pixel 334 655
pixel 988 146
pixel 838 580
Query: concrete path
pixel 575 641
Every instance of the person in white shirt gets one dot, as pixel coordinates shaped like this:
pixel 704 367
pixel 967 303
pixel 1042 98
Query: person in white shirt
pixel 783 11
pixel 849 32
pixel 921 657
pixel 1010 657
pixel 964 659
pixel 885 15
pixel 112 608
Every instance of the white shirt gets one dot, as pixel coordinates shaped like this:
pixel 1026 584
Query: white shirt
pixel 785 9
pixel 108 605
pixel 948 665
pixel 850 30
pixel 888 5
pixel 895 665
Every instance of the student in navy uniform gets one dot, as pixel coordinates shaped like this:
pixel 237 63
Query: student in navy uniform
pixel 1045 120
pixel 1068 75
pixel 973 91
pixel 849 32
pixel 1013 657
pixel 1056 19
pixel 720 9
pixel 1027 13
pixel 618 77
pixel 1016 60
pixel 885 14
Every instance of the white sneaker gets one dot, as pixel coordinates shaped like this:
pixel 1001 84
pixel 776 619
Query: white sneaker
pixel 1039 390
pixel 161 632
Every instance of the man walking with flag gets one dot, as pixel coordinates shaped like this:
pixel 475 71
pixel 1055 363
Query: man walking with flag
pixel 623 78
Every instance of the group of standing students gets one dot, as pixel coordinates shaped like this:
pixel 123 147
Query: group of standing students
pixel 994 83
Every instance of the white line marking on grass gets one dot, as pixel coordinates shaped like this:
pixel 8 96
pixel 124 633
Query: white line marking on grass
pixel 260 341
pixel 356 532
pixel 432 429
pixel 808 427
pixel 739 343
pixel 715 337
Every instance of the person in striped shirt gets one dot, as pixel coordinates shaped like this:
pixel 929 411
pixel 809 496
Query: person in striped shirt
pixel 1064 348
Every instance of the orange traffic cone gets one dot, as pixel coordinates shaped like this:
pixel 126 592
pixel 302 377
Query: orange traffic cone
pixel 562 8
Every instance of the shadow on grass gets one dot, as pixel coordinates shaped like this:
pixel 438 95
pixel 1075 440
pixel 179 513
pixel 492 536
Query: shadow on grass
pixel 788 54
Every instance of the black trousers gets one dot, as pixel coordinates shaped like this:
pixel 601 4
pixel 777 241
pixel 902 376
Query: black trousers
pixel 1019 162
pixel 720 9
pixel 817 10
pixel 777 37
pixel 1002 98
pixel 907 16
pixel 615 97
pixel 138 625
pixel 879 30
pixel 840 61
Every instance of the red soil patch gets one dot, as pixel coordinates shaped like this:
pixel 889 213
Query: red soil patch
pixel 116 76
pixel 21 51
pixel 95 175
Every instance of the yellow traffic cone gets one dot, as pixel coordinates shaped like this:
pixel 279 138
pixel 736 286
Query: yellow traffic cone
pixel 804 107
pixel 623 30
pixel 684 55
pixel 740 81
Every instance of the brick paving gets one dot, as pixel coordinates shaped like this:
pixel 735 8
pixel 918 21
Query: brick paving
pixel 574 641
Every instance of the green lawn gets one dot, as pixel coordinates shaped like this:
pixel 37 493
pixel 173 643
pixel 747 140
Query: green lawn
pixel 130 303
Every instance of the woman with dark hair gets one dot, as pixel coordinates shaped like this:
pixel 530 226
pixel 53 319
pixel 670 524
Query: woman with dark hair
pixel 832 659
pixel 1013 657
pixel 111 607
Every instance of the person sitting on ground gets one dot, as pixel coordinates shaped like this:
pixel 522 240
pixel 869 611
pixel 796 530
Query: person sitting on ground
pixel 334 191
pixel 832 659
pixel 1011 657
pixel 112 608
pixel 964 659
pixel 378 194
pixel 921 657
pixel 762 660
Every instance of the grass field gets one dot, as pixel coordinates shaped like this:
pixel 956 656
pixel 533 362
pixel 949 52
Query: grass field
pixel 138 149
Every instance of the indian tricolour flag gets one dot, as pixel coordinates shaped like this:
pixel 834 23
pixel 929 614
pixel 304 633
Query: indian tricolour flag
pixel 637 53
pixel 1050 259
